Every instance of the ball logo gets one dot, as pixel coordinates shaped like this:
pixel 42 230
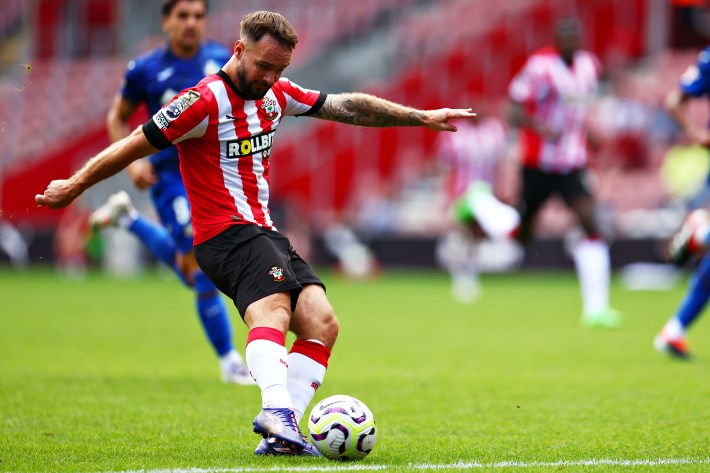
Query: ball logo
pixel 277 273
pixel 269 107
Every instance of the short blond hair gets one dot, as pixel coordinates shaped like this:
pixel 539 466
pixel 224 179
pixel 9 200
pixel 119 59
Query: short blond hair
pixel 255 25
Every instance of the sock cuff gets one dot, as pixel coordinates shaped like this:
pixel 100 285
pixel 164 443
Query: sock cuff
pixel 267 333
pixel 314 350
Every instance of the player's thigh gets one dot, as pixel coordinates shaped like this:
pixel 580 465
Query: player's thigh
pixel 576 191
pixel 272 311
pixel 173 207
pixel 536 189
pixel 187 262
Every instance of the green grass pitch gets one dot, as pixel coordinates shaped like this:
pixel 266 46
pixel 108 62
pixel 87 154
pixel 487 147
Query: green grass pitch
pixel 111 375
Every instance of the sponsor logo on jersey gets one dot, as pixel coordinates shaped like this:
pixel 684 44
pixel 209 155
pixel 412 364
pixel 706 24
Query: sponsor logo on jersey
pixel 249 146
pixel 277 273
pixel 161 121
pixel 268 105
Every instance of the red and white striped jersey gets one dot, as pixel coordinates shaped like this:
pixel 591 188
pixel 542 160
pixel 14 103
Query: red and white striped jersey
pixel 471 154
pixel 558 96
pixel 224 142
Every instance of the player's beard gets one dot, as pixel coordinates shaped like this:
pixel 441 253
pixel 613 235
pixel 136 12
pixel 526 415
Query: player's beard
pixel 245 88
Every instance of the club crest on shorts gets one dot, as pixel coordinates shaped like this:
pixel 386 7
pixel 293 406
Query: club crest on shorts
pixel 277 273
pixel 269 107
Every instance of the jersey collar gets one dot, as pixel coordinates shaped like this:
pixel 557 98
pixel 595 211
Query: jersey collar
pixel 228 80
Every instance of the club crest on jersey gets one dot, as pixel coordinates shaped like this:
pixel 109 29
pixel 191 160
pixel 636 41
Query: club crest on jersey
pixel 249 146
pixel 277 273
pixel 269 107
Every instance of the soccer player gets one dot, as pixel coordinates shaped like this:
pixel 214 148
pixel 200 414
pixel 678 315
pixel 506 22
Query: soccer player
pixel 472 157
pixel 153 79
pixel 694 236
pixel 549 100
pixel 224 129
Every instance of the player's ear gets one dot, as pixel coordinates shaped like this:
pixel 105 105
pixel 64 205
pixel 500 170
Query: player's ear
pixel 164 24
pixel 238 48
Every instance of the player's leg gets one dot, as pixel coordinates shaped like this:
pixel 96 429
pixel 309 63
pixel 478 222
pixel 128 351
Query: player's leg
pixel 480 205
pixel 316 327
pixel 118 211
pixel 253 267
pixel 590 254
pixel 456 252
pixel 672 337
pixel 214 318
pixel 536 189
pixel 174 211
pixel 692 239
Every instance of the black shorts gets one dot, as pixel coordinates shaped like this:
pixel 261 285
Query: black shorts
pixel 248 263
pixel 538 186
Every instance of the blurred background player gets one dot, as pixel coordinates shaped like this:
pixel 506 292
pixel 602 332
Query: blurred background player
pixel 153 79
pixel 694 236
pixel 549 102
pixel 472 157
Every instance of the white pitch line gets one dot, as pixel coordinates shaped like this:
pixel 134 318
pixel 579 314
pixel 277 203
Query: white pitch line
pixel 461 465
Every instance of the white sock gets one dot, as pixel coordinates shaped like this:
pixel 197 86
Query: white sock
pixel 305 374
pixel 230 357
pixel 673 329
pixel 126 218
pixel 267 362
pixel 591 258
pixel 496 218
pixel 304 377
pixel 701 234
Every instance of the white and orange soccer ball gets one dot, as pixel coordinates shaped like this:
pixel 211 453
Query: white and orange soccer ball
pixel 342 428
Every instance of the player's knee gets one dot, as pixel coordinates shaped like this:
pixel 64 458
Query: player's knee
pixel 329 328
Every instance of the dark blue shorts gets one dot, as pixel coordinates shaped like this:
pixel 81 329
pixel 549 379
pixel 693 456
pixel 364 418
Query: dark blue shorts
pixel 170 200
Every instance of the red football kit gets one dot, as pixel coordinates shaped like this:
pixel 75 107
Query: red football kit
pixel 224 142
pixel 558 96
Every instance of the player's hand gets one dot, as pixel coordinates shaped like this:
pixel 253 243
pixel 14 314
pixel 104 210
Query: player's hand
pixel 58 194
pixel 438 120
pixel 142 174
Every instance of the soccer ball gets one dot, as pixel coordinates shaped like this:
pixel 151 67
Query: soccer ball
pixel 342 428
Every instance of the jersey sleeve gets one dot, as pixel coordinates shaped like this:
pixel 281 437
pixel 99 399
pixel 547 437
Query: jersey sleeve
pixel 695 81
pixel 526 84
pixel 445 148
pixel 300 101
pixel 132 84
pixel 185 116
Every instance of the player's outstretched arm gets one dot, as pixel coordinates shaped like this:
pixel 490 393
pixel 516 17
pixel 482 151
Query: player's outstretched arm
pixel 367 110
pixel 108 162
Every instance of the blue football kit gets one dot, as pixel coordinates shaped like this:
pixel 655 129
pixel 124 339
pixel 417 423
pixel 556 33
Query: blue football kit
pixel 695 82
pixel 154 79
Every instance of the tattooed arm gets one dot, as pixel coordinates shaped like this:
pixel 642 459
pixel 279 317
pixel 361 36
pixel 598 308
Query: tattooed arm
pixel 368 110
